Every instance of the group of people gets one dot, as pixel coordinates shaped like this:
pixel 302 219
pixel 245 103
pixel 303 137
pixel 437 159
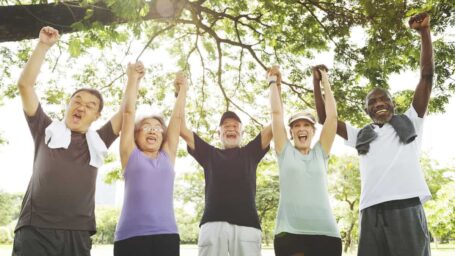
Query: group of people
pixel 57 215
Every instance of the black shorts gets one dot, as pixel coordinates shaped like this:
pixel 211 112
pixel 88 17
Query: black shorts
pixel 159 245
pixel 287 244
pixel 34 241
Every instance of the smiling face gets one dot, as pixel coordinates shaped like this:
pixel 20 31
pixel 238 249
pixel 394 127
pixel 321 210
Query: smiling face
pixel 82 110
pixel 379 106
pixel 230 133
pixel 302 132
pixel 149 135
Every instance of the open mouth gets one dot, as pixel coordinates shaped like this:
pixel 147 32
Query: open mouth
pixel 151 139
pixel 302 138
pixel 381 111
pixel 77 117
pixel 231 136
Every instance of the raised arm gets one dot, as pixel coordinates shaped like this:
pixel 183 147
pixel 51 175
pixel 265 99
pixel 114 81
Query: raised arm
pixel 186 133
pixel 276 107
pixel 48 36
pixel 117 119
pixel 134 72
pixel 172 136
pixel 421 23
pixel 319 102
pixel 330 124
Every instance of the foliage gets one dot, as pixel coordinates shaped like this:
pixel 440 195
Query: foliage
pixel 9 207
pixel 106 221
pixel 189 203
pixel 226 45
pixel 267 196
pixel 344 186
pixel 440 210
pixel 9 212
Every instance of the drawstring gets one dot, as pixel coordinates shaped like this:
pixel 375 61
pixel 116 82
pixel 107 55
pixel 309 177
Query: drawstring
pixel 380 210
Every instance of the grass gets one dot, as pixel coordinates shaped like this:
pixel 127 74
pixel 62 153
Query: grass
pixel 191 250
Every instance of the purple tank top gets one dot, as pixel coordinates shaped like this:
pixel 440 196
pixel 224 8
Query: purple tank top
pixel 148 207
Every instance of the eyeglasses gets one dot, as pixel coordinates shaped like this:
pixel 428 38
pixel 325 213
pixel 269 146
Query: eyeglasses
pixel 148 128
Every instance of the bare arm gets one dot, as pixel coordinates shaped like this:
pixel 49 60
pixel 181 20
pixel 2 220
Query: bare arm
pixel 276 106
pixel 266 136
pixel 186 133
pixel 421 23
pixel 47 37
pixel 172 139
pixel 320 105
pixel 330 124
pixel 134 72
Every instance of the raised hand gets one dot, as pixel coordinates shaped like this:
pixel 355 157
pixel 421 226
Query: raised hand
pixel 317 71
pixel 135 71
pixel 48 36
pixel 180 82
pixel 324 77
pixel 275 71
pixel 420 21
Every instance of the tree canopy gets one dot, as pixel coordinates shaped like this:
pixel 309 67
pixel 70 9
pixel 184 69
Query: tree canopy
pixel 226 46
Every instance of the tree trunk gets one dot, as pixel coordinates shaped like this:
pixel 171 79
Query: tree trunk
pixel 19 22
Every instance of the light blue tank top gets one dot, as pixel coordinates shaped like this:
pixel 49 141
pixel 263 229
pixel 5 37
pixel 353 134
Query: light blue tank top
pixel 304 206
pixel 148 201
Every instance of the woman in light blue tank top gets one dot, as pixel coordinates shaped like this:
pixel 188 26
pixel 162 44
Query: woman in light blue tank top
pixel 305 224
pixel 148 149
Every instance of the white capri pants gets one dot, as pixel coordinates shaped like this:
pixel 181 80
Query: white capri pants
pixel 221 238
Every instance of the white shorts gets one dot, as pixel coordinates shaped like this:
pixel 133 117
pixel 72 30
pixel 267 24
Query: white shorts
pixel 222 239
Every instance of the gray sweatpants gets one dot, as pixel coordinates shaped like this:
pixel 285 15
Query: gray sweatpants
pixel 395 228
pixel 33 241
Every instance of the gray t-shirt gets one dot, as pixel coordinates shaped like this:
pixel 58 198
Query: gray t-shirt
pixel 61 191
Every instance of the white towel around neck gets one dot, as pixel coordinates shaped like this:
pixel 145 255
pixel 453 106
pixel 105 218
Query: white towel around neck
pixel 59 136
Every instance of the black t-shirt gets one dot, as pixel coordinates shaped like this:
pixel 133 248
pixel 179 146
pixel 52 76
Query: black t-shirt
pixel 61 191
pixel 230 181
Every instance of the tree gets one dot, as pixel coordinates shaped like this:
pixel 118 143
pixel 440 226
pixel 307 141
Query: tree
pixel 106 221
pixel 9 207
pixel 440 210
pixel 19 22
pixel 267 196
pixel 234 41
pixel 344 186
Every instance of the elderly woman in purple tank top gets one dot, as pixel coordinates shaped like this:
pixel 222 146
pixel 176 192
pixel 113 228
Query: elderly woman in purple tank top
pixel 147 150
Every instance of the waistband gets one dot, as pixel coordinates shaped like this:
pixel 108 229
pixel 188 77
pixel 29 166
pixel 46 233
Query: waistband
pixel 397 204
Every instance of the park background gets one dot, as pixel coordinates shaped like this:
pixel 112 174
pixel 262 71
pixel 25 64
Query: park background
pixel 225 46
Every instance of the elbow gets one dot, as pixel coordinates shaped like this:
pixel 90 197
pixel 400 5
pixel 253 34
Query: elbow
pixel 128 111
pixel 427 75
pixel 332 117
pixel 22 85
pixel 276 112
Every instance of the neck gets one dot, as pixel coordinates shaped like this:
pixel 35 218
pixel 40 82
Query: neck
pixel 304 151
pixel 151 154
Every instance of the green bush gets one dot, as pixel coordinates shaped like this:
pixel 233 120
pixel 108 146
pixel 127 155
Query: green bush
pixel 106 221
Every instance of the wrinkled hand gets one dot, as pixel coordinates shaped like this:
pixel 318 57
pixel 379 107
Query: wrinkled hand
pixel 48 36
pixel 180 82
pixel 135 71
pixel 317 71
pixel 275 71
pixel 420 21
